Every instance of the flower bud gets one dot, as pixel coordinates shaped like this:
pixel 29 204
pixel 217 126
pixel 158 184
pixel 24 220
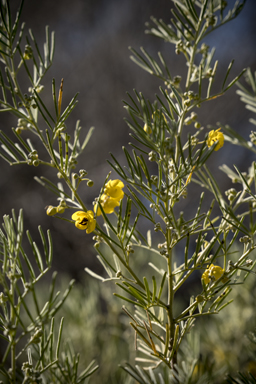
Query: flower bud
pixel 60 209
pixel 152 156
pixel 51 211
pixel 244 239
pixel 200 298
pixel 82 173
pixel 119 274
pixel 90 183
pixel 147 129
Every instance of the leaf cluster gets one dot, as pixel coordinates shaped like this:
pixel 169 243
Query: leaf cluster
pixel 27 326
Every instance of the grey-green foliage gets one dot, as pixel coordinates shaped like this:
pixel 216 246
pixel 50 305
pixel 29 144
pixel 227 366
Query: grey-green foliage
pixel 246 377
pixel 31 341
pixel 242 379
pixel 34 117
pixel 188 371
pixel 158 130
pixel 248 96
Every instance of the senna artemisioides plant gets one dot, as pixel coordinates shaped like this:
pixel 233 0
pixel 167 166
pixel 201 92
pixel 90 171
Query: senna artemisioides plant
pixel 136 219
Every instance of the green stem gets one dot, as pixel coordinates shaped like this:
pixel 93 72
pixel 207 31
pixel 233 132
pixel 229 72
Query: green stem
pixel 171 323
pixel 191 63
pixel 12 322
pixel 137 280
pixel 192 57
pixel 13 361
pixel 179 132
pixel 73 190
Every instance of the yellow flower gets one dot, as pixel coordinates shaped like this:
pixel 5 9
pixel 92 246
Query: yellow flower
pixel 113 194
pixel 84 220
pixel 215 136
pixel 108 204
pixel 113 189
pixel 213 272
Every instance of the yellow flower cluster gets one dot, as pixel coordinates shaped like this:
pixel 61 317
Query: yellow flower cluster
pixel 215 136
pixel 113 194
pixel 84 220
pixel 213 272
pixel 110 199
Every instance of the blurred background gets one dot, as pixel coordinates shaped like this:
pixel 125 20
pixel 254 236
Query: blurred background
pixel 92 56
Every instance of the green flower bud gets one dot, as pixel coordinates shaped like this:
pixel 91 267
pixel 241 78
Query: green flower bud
pixel 245 239
pixel 119 274
pixel 152 156
pixel 51 211
pixel 90 183
pixel 200 298
pixel 82 173
pixel 60 209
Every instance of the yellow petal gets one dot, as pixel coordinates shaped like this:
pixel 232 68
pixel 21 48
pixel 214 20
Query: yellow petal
pixel 84 220
pixel 213 136
pixel 91 226
pixel 205 277
pixel 77 215
pixel 108 205
pixel 80 226
pixel 113 189
pixel 217 272
pixel 213 271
